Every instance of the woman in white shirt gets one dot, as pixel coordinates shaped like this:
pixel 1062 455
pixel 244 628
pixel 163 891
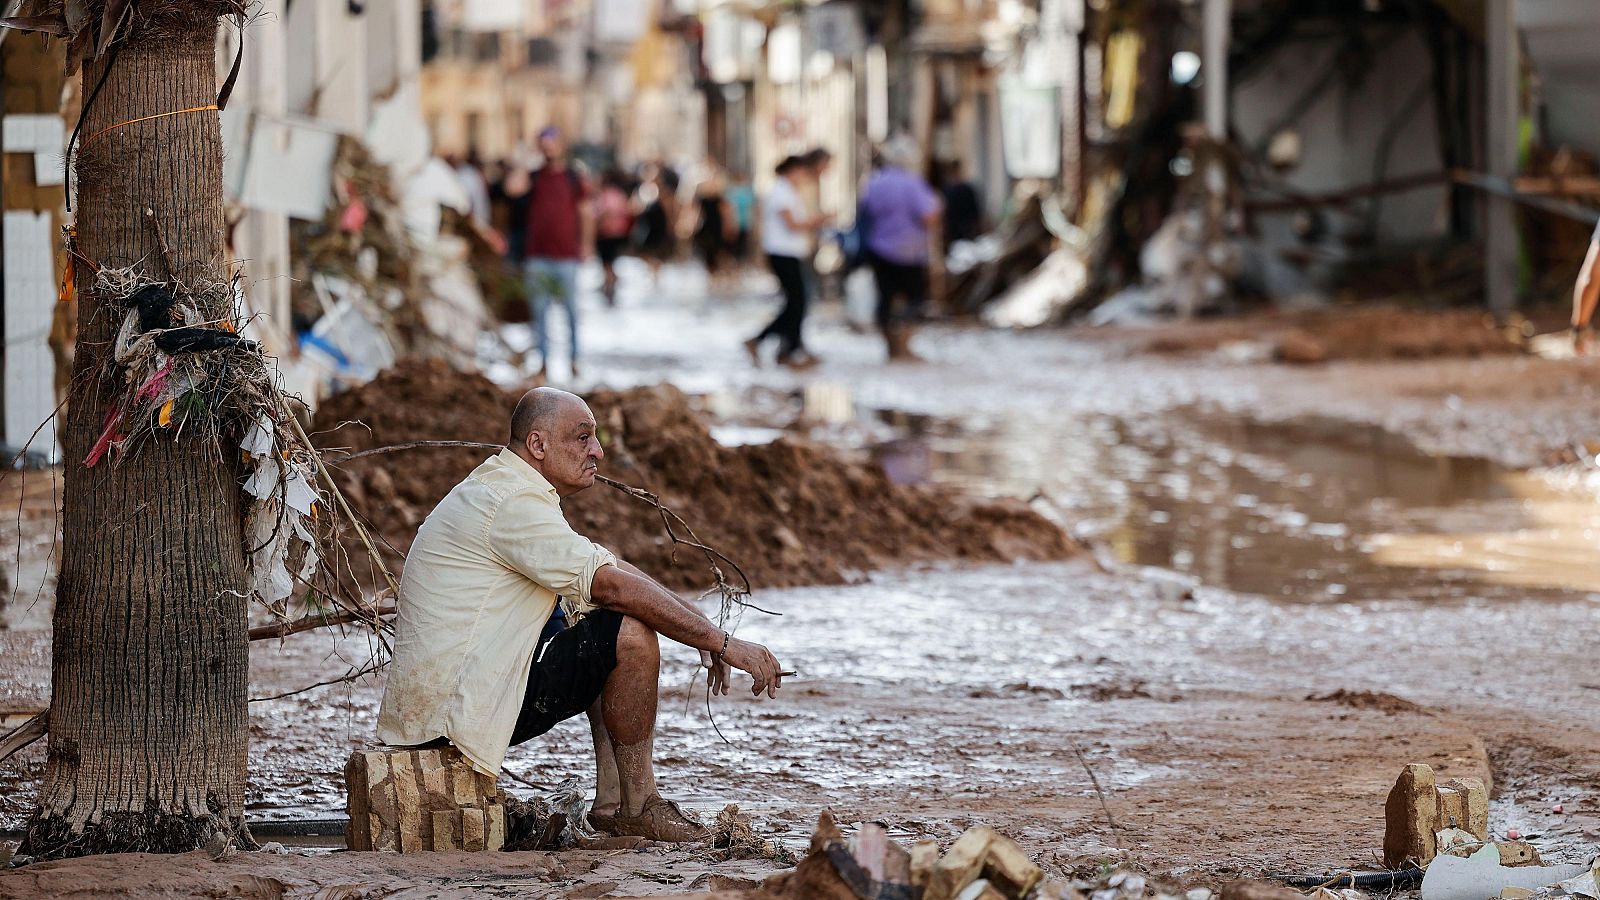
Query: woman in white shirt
pixel 786 230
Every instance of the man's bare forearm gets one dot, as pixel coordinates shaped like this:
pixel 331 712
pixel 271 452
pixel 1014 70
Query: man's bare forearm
pixel 632 569
pixel 635 594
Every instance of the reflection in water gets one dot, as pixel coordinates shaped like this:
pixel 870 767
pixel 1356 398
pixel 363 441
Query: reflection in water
pixel 1309 510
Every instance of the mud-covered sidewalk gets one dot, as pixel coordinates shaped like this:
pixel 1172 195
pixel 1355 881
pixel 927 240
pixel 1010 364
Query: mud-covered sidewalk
pixel 1234 727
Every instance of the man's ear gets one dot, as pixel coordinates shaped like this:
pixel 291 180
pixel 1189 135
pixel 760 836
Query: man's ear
pixel 534 443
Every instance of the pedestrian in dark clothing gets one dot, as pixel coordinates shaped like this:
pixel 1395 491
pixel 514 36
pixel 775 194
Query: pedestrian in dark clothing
pixel 613 225
pixel 653 234
pixel 786 230
pixel 963 209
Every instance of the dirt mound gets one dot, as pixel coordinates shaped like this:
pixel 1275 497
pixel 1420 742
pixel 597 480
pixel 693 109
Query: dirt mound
pixel 790 512
pixel 1378 700
pixel 1365 333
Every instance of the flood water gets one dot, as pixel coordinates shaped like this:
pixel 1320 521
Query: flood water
pixel 1312 510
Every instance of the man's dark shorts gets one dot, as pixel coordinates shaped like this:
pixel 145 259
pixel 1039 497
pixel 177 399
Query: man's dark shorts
pixel 568 673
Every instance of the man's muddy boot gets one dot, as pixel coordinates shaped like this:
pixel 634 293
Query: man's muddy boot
pixel 601 822
pixel 661 820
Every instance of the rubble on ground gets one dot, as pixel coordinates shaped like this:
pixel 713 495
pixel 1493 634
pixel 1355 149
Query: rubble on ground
pixel 789 512
pixel 1420 807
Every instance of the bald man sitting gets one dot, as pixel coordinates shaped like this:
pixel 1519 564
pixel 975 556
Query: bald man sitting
pixel 509 622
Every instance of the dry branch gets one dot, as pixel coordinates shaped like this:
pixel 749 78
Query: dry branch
pixel 320 620
pixel 24 734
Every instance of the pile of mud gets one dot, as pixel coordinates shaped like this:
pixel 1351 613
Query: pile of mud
pixel 1349 333
pixel 790 512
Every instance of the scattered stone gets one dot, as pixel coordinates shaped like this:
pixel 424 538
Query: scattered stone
pixel 924 856
pixel 1055 889
pixel 275 848
pixel 1464 804
pixel 1518 853
pixel 409 801
pixel 1418 808
pixel 1010 868
pixel 961 865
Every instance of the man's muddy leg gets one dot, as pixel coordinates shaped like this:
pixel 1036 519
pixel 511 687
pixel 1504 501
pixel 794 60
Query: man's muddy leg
pixel 608 790
pixel 629 712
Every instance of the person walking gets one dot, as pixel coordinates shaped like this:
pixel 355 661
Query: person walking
pixel 711 226
pixel 963 208
pixel 786 233
pixel 900 209
pixel 613 224
pixel 560 231
pixel 742 197
pixel 653 236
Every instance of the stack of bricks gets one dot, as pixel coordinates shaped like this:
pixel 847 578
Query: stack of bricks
pixel 409 801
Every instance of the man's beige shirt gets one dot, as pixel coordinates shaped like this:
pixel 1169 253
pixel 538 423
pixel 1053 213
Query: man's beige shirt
pixel 480 582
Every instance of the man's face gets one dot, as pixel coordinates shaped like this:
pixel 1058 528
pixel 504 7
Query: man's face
pixel 569 454
pixel 552 147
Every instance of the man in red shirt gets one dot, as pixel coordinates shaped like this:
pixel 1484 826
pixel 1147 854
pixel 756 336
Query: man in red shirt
pixel 560 235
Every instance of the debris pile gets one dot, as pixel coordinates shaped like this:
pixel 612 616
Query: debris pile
pixel 981 865
pixel 790 512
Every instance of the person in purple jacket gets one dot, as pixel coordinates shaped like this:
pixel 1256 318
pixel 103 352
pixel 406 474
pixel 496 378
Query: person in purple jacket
pixel 900 214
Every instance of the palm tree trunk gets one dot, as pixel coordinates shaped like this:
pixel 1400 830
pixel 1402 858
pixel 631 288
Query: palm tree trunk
pixel 148 722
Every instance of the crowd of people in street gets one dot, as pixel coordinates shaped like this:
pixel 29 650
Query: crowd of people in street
pixel 548 219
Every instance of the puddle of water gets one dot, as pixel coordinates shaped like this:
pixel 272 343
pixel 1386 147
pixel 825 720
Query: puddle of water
pixel 1314 510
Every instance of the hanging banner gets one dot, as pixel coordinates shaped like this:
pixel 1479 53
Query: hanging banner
pixel 1030 130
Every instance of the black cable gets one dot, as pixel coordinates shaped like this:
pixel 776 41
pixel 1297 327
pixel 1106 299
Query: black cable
pixel 1398 880
pixel 83 116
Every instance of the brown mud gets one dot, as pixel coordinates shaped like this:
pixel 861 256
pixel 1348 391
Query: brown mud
pixel 788 512
pixel 1234 727
pixel 1343 333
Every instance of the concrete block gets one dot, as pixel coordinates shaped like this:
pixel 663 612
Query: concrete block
pixel 1419 807
pixel 1410 814
pixel 1464 804
pixel 961 865
pixel 924 857
pixel 494 835
pixel 474 829
pixel 415 800
pixel 444 829
pixel 1010 869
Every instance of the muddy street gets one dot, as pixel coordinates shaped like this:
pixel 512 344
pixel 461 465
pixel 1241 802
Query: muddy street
pixel 1287 601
